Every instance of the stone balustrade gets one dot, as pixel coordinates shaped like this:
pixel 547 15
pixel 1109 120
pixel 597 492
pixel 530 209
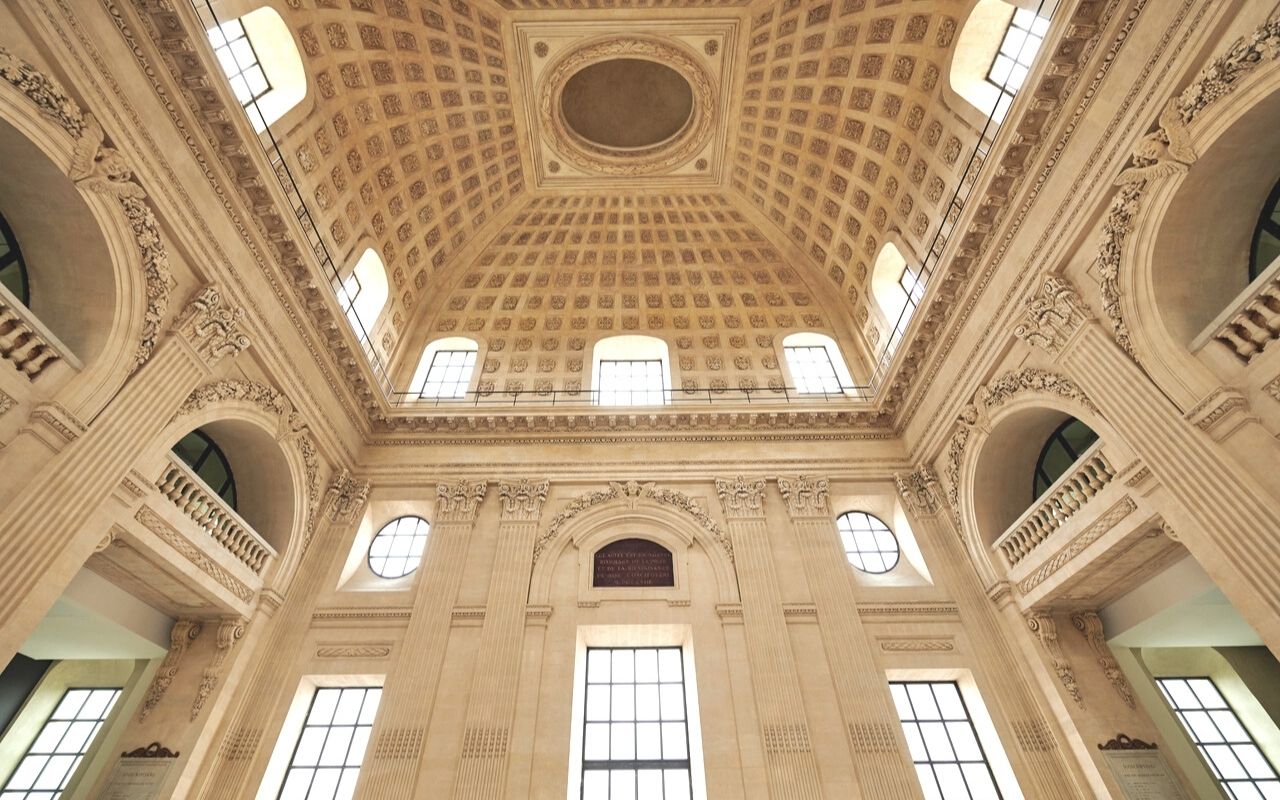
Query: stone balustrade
pixel 25 342
pixel 1254 321
pixel 213 515
pixel 1064 499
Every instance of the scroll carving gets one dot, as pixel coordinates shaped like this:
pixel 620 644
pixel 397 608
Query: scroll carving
pixel 345 497
pixel 741 497
pixel 181 635
pixel 1090 626
pixel 920 490
pixel 211 327
pixel 806 495
pixel 459 501
pixel 230 631
pixel 1053 316
pixel 1046 630
pixel 522 500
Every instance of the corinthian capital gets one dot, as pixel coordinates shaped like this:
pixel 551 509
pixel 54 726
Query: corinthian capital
pixel 741 497
pixel 920 490
pixel 1053 316
pixel 345 496
pixel 522 500
pixel 806 495
pixel 211 327
pixel 459 501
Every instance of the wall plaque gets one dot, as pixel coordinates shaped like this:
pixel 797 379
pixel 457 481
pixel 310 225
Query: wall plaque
pixel 1141 770
pixel 140 774
pixel 633 562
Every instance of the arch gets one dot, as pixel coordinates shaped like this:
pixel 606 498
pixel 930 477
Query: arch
pixel 1265 249
pixel 13 270
pixel 896 285
pixel 796 368
pixel 630 385
pixel 453 375
pixel 261 61
pixel 1062 449
pixel 363 294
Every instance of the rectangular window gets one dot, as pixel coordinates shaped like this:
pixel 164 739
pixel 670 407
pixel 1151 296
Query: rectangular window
pixel 54 755
pixel 1012 63
pixel 943 742
pixel 631 383
pixel 347 294
pixel 1224 744
pixel 635 738
pixel 449 374
pixel 326 760
pixel 812 370
pixel 240 63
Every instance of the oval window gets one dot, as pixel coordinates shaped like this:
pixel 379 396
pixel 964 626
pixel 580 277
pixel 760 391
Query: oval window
pixel 397 549
pixel 868 543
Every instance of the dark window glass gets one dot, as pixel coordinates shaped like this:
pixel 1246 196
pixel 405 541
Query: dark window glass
pixel 207 461
pixel 1266 237
pixel 13 270
pixel 1064 446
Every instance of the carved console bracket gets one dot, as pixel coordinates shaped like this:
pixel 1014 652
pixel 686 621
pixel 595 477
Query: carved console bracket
pixel 181 635
pixel 1046 631
pixel 1090 626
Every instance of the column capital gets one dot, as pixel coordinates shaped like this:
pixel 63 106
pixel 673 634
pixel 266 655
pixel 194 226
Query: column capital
pixel 345 497
pixel 806 495
pixel 1054 316
pixel 920 490
pixel 459 501
pixel 211 327
pixel 522 500
pixel 741 497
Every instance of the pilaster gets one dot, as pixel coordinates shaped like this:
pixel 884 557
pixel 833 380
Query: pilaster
pixel 1231 520
pixel 789 760
pixel 487 736
pixel 1045 768
pixel 46 532
pixel 871 726
pixel 391 765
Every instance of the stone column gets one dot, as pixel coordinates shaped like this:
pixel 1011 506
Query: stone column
pixel 1226 519
pixel 491 705
pixel 871 724
pixel 45 532
pixel 285 623
pixel 1045 768
pixel 391 768
pixel 789 761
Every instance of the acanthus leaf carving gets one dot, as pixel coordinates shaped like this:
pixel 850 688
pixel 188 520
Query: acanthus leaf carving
pixel 459 501
pixel 1053 316
pixel 741 496
pixel 1090 626
pixel 345 496
pixel 1046 631
pixel 211 327
pixel 181 635
pixel 921 491
pixel 230 631
pixel 806 495
pixel 522 500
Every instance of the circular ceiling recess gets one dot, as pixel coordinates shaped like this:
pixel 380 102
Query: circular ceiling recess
pixel 626 103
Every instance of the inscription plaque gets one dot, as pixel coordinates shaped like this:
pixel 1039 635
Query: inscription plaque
pixel 140 774
pixel 633 562
pixel 1141 770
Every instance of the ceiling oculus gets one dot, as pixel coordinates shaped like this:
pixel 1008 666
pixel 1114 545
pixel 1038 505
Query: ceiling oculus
pixel 628 106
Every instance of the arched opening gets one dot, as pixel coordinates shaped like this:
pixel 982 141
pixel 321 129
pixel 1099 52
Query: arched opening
pixel 815 364
pixel 261 61
pixel 55 245
pixel 896 285
pixel 364 294
pixel 994 53
pixel 1266 236
pixel 1061 450
pixel 198 451
pixel 631 371
pixel 446 368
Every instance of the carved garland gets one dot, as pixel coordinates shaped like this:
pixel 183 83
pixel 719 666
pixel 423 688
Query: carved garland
pixel 640 161
pixel 100 168
pixel 1167 151
pixel 632 491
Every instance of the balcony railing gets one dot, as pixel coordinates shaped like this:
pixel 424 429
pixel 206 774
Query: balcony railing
pixel 1252 322
pixel 25 342
pixel 211 513
pixel 1064 499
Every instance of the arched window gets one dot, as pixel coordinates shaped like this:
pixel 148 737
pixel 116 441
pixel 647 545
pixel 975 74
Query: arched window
pixel 208 462
pixel 446 368
pixel 868 543
pixel 994 53
pixel 364 294
pixel 397 549
pixel 896 285
pixel 815 364
pixel 631 371
pixel 13 270
pixel 1266 237
pixel 258 55
pixel 1063 448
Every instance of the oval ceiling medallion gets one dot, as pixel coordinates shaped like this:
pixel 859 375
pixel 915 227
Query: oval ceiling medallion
pixel 627 106
pixel 626 103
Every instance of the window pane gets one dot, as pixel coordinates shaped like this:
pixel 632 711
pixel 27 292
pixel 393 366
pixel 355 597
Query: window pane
pixel 1224 743
pixel 335 737
pixel 631 383
pixel 868 543
pixel 397 549
pixel 449 374
pixel 812 370
pixel 59 747
pixel 942 741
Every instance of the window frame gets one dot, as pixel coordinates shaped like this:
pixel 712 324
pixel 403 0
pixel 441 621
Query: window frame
pixel 369 557
pixel 78 758
pixel 250 105
pixel 654 365
pixel 797 374
pixel 1266 224
pixel 293 753
pixel 586 765
pixel 1007 94
pixel 969 719
pixel 1202 747
pixel 897 545
pixel 211 448
pixel 461 386
pixel 14 256
pixel 1056 437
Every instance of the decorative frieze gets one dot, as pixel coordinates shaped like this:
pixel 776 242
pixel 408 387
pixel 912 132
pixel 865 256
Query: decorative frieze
pixel 210 326
pixel 916 644
pixel 522 500
pixel 806 496
pixel 364 651
pixel 1090 626
pixel 181 635
pixel 1046 631
pixel 741 497
pixel 170 535
pixel 1108 520
pixel 459 501
pixel 230 631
